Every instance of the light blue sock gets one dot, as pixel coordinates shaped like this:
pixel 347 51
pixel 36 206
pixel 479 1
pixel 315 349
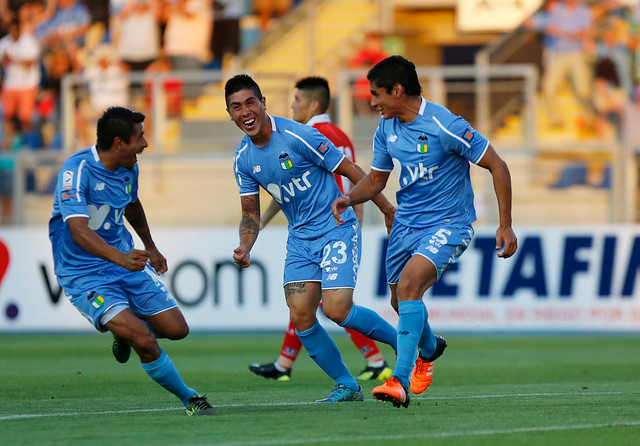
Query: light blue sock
pixel 427 342
pixel 370 324
pixel 164 373
pixel 325 353
pixel 410 326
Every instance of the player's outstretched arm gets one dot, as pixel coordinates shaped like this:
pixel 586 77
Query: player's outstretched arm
pixel 249 229
pixel 367 187
pixel 87 239
pixel 136 217
pixel 502 187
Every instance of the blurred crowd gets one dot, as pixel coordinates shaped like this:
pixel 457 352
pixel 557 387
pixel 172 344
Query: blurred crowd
pixel 596 46
pixel 41 41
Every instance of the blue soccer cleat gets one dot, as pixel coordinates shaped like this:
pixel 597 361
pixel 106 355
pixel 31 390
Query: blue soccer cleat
pixel 342 394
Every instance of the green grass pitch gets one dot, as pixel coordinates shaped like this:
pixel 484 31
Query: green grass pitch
pixel 487 390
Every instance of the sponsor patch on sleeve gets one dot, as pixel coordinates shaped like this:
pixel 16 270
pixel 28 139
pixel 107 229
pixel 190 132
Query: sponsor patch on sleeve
pixel 67 179
pixel 322 148
pixel 468 134
pixel 67 195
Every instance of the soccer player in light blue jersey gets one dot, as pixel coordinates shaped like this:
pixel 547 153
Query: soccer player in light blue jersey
pixel 432 227
pixel 295 164
pixel 114 285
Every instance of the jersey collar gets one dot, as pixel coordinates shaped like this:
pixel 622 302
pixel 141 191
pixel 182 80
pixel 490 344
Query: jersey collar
pixel 319 119
pixel 274 128
pixel 94 151
pixel 423 105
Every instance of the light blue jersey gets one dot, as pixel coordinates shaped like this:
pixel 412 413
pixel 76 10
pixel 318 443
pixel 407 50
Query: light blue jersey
pixel 86 188
pixel 295 167
pixel 433 154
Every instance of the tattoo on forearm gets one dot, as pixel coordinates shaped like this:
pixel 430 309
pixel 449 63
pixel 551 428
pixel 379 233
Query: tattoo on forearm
pixel 248 225
pixel 295 288
pixel 250 208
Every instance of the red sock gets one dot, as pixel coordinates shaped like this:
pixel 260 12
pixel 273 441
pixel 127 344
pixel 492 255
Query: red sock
pixel 291 343
pixel 365 345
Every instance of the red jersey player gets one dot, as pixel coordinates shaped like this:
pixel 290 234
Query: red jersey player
pixel 309 106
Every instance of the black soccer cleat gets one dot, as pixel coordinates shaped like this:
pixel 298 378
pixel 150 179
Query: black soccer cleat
pixel 198 405
pixel 121 349
pixel 270 371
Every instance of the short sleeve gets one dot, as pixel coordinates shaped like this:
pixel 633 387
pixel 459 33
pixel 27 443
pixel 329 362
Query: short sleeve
pixel 382 161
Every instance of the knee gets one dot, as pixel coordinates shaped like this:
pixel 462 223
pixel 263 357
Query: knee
pixel 179 332
pixel 145 345
pixel 407 290
pixel 336 312
pixel 302 320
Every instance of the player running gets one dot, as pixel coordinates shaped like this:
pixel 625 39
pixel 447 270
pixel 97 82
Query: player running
pixel 432 227
pixel 112 284
pixel 294 163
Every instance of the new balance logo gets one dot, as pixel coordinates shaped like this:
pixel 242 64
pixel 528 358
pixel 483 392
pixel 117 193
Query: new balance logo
pixel 99 186
pixel 404 333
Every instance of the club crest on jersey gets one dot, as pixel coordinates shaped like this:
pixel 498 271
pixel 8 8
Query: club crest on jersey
pixel 422 143
pixel 322 148
pixel 468 135
pixel 285 161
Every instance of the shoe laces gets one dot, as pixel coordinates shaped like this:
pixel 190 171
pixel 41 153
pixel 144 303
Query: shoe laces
pixel 199 402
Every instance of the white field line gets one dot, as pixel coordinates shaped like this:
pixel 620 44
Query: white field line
pixel 302 403
pixel 426 435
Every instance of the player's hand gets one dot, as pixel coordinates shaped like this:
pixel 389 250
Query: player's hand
pixel 507 238
pixel 136 259
pixel 338 206
pixel 157 261
pixel 242 256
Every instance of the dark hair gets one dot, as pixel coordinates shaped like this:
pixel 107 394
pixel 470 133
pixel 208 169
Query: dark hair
pixel 117 122
pixel 395 70
pixel 317 89
pixel 606 69
pixel 241 82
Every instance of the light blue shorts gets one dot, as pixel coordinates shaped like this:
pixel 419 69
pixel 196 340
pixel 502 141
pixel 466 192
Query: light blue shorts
pixel 107 292
pixel 442 244
pixel 332 259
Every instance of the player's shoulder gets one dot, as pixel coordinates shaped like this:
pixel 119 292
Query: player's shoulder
pixel 287 126
pixel 81 157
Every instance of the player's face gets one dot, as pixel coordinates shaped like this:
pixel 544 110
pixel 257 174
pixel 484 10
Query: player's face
pixel 129 151
pixel 249 113
pixel 301 107
pixel 387 104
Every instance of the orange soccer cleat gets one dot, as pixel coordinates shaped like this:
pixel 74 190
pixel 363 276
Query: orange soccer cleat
pixel 422 373
pixel 392 390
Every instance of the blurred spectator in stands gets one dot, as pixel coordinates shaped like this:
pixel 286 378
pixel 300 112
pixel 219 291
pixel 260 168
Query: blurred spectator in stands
pixel 366 57
pixel 568 30
pixel 6 17
pixel 268 9
pixel 225 43
pixel 188 33
pixel 20 58
pixel 172 87
pixel 609 99
pixel 138 40
pixel 108 86
pixel 617 49
pixel 67 26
